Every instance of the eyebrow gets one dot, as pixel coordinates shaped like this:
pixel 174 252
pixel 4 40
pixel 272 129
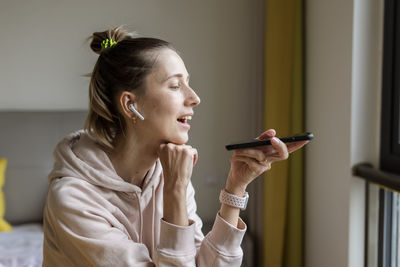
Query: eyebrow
pixel 179 75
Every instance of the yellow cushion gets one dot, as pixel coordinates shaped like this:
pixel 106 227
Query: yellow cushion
pixel 4 226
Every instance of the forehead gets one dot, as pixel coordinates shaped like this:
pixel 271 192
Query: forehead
pixel 168 63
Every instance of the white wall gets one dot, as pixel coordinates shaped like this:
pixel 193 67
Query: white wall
pixel 343 85
pixel 43 55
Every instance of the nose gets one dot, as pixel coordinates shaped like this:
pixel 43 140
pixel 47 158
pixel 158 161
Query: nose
pixel 192 99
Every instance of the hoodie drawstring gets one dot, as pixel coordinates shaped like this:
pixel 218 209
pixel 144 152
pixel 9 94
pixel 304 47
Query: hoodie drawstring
pixel 140 218
pixel 153 242
pixel 152 220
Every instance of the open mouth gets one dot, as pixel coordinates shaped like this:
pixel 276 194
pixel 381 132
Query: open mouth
pixel 184 119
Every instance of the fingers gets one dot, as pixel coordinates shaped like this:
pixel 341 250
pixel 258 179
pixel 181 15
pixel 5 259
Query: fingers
pixel 267 134
pixel 177 162
pixel 195 156
pixel 261 153
pixel 296 145
pixel 281 149
pixel 256 154
pixel 173 147
pixel 276 152
pixel 254 164
pixel 173 151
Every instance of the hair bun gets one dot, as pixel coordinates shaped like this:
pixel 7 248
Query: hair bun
pixel 116 34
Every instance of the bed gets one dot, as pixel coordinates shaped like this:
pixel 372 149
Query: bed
pixel 22 247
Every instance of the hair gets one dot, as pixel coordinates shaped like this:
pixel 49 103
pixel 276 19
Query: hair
pixel 122 67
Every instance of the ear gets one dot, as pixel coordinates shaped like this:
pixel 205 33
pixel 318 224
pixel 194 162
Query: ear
pixel 125 99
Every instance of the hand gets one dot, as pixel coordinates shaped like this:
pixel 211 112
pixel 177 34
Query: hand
pixel 249 163
pixel 177 162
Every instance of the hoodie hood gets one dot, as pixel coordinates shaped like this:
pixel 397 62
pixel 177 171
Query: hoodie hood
pixel 79 156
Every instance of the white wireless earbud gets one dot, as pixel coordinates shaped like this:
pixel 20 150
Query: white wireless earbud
pixel 131 107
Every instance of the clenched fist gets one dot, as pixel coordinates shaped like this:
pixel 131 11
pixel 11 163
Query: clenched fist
pixel 177 162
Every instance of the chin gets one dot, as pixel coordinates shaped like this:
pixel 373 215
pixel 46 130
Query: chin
pixel 179 140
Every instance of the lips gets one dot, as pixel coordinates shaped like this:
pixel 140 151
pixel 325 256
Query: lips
pixel 184 119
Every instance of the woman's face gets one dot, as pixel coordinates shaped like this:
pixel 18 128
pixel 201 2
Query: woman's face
pixel 168 101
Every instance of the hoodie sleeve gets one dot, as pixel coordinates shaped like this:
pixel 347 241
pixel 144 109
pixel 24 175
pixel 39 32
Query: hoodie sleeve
pixel 79 236
pixel 186 246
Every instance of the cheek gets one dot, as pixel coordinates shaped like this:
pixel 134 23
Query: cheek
pixel 162 109
pixel 165 106
pixel 161 116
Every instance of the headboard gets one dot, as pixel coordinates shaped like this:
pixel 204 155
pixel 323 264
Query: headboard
pixel 27 140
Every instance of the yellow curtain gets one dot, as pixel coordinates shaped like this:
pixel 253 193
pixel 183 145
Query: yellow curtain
pixel 284 86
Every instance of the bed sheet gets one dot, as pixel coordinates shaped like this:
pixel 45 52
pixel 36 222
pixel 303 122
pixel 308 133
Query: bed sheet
pixel 22 247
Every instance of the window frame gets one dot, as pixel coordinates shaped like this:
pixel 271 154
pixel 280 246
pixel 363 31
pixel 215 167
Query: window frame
pixel 388 175
pixel 390 134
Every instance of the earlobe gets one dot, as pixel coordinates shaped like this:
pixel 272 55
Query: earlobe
pixel 131 107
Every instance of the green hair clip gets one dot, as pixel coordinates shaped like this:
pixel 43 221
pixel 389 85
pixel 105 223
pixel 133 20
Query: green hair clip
pixel 107 43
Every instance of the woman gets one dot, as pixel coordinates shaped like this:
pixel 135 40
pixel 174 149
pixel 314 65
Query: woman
pixel 120 191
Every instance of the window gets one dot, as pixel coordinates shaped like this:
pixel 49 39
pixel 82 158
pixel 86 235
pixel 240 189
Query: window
pixel 389 209
pixel 383 198
pixel 390 133
pixel 388 225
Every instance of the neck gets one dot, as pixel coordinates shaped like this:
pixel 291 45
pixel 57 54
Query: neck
pixel 133 159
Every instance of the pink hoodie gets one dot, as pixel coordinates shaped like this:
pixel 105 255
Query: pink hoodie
pixel 93 217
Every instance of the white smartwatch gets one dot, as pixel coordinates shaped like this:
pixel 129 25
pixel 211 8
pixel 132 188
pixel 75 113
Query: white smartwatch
pixel 233 200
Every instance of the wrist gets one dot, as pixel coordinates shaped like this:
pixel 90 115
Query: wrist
pixel 234 201
pixel 175 208
pixel 235 188
pixel 175 189
pixel 174 195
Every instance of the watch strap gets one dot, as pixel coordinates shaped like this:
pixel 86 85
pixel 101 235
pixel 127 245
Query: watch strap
pixel 234 200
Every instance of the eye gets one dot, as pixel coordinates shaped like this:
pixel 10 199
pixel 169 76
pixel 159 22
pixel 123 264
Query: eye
pixel 175 87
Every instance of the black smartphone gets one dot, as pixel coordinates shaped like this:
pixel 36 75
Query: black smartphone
pixel 255 143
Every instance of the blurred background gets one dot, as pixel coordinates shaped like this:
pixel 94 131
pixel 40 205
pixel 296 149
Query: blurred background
pixel 292 65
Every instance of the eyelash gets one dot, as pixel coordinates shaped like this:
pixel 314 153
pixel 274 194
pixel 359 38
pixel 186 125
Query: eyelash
pixel 176 87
